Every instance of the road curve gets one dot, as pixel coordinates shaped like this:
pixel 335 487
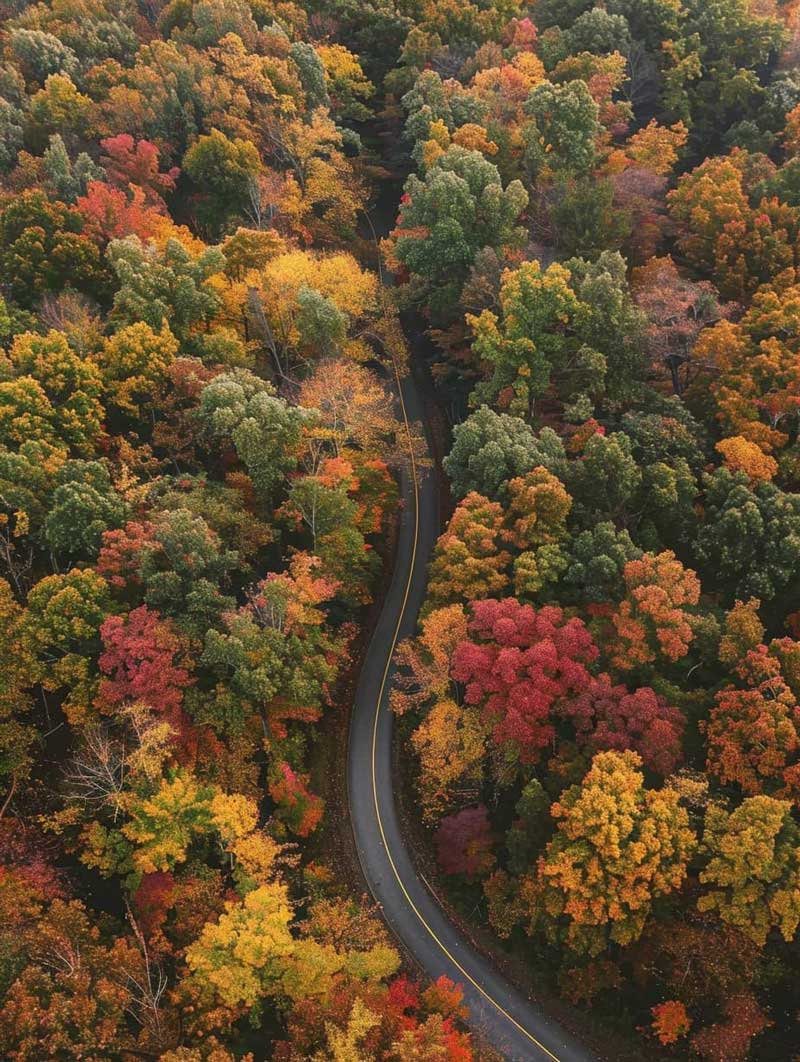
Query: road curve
pixel 515 1026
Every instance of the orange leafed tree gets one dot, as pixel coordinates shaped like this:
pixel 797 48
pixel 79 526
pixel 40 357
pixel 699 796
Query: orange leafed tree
pixel 113 214
pixel 451 745
pixel 751 734
pixel 652 621
pixel 738 246
pixel 742 455
pixel 670 1021
pixel 742 631
pixel 289 601
pixel 654 147
pixel 427 658
pixel 355 408
pixel 791 134
pixel 755 387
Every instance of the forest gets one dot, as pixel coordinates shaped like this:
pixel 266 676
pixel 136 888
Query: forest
pixel 227 229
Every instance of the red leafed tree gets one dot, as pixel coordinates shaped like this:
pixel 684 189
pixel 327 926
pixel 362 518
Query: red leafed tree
pixel 298 807
pixel 128 161
pixel 118 561
pixel 520 664
pixel 610 717
pixel 153 899
pixel 464 843
pixel 139 662
pixel 521 35
pixel 705 962
pixel 27 854
pixel 403 994
pixel 112 214
pixel 729 1040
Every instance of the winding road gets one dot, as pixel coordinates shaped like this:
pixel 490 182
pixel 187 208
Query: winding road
pixel 514 1025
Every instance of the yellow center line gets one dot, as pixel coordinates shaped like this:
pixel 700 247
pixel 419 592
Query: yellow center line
pixel 389 657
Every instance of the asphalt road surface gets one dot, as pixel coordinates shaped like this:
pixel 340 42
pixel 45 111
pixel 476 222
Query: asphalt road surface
pixel 514 1025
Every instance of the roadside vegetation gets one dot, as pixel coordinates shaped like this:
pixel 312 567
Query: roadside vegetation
pixel 197 455
pixel 600 711
pixel 599 230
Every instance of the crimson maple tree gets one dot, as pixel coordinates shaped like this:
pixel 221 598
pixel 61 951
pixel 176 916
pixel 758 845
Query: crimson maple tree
pixel 520 664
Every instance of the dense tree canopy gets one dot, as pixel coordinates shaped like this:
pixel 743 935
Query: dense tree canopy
pixel 624 462
pixel 228 229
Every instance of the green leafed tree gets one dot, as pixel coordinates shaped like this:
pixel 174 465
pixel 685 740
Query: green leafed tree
pixel 224 171
pixel 265 431
pixel 42 248
pixel 749 539
pixel 155 286
pixel 458 209
pixel 82 506
pixel 489 449
pixel 560 136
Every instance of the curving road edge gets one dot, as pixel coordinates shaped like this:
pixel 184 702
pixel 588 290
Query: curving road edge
pixel 514 1025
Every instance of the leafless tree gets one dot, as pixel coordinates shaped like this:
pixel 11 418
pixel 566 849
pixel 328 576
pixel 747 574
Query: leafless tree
pixel 146 987
pixel 96 774
pixel 76 316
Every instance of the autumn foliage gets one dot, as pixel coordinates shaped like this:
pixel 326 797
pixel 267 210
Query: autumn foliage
pixel 670 1021
pixel 519 665
pixel 588 288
